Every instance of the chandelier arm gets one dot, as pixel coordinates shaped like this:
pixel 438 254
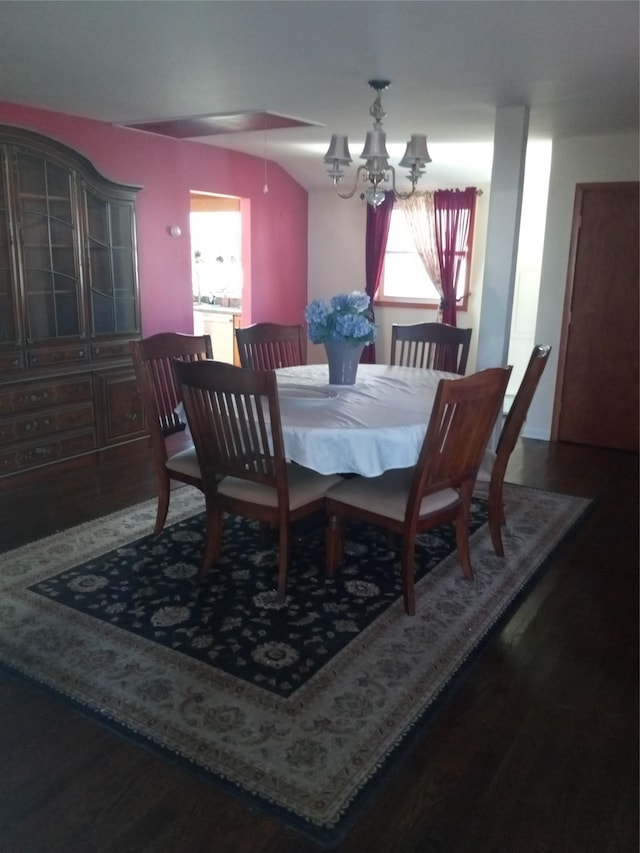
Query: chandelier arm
pixel 351 194
pixel 397 192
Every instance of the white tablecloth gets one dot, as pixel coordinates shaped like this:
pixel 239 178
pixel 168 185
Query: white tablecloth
pixel 367 428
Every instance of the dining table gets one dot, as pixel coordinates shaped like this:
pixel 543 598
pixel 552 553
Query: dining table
pixel 375 425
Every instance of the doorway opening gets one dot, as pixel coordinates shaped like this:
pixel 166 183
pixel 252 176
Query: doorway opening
pixel 216 250
pixel 216 224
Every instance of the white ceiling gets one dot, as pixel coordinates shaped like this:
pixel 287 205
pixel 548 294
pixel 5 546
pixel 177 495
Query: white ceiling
pixel 574 64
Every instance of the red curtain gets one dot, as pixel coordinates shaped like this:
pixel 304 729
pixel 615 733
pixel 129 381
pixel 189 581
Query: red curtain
pixel 454 211
pixel 378 221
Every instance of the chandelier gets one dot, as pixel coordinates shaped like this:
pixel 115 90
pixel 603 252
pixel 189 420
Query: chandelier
pixel 376 170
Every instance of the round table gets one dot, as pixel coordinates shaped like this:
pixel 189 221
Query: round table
pixel 367 428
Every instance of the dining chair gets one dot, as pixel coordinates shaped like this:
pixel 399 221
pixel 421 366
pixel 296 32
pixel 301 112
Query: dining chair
pixel 174 455
pixel 409 501
pixel 494 464
pixel 437 346
pixel 234 418
pixel 267 346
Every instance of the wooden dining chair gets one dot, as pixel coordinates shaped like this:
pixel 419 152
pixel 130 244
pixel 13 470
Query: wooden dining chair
pixel 494 464
pixel 267 346
pixel 174 454
pixel 234 417
pixel 438 489
pixel 437 346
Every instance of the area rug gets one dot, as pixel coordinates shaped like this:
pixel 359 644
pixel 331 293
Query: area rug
pixel 300 709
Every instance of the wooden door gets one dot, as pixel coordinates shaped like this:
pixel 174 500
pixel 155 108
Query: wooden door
pixel 597 399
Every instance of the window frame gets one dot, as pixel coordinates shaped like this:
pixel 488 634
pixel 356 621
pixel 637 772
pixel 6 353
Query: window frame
pixel 462 303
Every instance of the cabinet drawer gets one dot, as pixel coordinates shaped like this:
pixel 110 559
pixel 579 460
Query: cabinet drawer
pixel 117 349
pixel 32 455
pixel 121 415
pixel 45 423
pixel 37 396
pixel 57 357
pixel 11 361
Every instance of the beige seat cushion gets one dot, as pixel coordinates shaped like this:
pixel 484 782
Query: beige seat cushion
pixel 305 486
pixel 185 462
pixel 387 494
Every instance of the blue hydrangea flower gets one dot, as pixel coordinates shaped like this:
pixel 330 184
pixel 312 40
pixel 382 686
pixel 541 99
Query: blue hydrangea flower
pixel 345 317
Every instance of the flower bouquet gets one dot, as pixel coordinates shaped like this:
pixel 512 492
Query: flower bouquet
pixel 345 317
pixel 344 325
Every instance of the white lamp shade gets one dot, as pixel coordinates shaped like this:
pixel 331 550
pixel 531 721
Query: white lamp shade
pixel 375 145
pixel 338 150
pixel 416 153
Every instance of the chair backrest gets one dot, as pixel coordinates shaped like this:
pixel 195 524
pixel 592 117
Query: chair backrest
pixel 153 360
pixel 437 346
pixel 517 414
pixel 267 346
pixel 463 416
pixel 234 419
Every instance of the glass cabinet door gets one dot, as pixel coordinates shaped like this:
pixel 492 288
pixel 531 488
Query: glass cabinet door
pixel 111 264
pixel 8 320
pixel 49 254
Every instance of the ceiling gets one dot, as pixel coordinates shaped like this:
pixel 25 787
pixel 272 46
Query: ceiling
pixel 575 65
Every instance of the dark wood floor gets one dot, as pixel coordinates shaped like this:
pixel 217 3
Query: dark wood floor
pixel 537 750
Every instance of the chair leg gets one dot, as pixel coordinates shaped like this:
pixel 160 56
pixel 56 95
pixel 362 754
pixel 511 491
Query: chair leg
pixel 496 517
pixel 462 541
pixel 334 546
pixel 213 539
pixel 283 561
pixel 164 493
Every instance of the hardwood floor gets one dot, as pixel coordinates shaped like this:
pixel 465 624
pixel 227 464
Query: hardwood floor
pixel 536 750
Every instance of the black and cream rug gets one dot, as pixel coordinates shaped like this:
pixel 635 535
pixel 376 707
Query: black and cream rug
pixel 300 709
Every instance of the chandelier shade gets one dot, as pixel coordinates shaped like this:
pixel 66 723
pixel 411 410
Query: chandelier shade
pixel 338 151
pixel 416 153
pixel 376 169
pixel 375 145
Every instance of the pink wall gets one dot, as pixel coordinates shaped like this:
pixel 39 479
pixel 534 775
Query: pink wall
pixel 168 169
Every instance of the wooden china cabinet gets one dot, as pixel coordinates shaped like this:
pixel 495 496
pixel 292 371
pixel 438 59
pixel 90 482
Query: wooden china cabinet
pixel 68 308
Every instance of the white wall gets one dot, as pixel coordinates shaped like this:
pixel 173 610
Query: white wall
pixel 336 251
pixel 576 160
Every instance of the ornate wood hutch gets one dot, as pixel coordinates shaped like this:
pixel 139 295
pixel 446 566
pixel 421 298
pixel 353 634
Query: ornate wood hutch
pixel 68 307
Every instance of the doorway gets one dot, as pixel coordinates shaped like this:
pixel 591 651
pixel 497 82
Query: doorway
pixel 216 250
pixel 597 393
pixel 217 271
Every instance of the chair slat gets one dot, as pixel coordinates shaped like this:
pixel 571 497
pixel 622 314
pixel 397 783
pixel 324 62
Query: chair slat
pixel 436 346
pixel 268 346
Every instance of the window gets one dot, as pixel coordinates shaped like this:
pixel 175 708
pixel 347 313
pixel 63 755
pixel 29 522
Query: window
pixel 404 280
